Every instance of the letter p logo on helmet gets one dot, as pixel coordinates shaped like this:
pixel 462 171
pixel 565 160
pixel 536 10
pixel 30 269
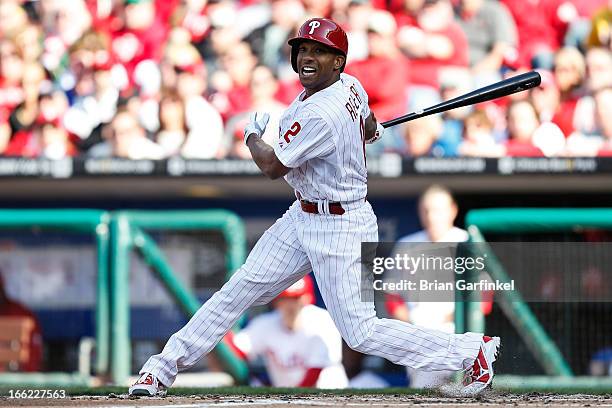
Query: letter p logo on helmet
pixel 313 26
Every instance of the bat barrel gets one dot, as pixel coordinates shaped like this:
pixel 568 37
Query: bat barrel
pixel 499 89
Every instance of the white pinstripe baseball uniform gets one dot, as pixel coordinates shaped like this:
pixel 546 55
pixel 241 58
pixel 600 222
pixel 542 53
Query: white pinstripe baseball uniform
pixel 321 140
pixel 288 353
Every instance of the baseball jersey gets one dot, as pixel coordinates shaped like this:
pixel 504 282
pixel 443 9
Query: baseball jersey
pixel 288 354
pixel 321 139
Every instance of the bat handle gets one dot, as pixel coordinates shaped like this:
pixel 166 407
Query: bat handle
pixel 402 119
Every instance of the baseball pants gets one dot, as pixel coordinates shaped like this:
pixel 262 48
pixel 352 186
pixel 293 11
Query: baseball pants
pixel 329 245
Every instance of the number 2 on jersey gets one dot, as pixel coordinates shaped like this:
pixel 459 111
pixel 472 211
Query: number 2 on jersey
pixel 293 130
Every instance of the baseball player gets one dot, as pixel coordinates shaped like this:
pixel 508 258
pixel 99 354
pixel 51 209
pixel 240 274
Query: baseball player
pixel 320 153
pixel 298 341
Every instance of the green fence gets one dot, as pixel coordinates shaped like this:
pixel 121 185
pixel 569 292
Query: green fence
pixel 97 223
pixel 128 229
pixel 117 234
pixel 544 349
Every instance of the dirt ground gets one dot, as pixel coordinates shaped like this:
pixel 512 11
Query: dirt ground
pixel 308 401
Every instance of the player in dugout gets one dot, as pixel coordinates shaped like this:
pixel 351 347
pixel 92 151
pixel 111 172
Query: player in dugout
pixel 298 341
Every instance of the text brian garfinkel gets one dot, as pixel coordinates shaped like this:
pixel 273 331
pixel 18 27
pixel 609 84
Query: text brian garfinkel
pixel 435 285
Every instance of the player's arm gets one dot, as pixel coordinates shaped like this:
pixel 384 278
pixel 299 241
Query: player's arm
pixel 263 154
pixel 311 377
pixel 265 158
pixel 373 129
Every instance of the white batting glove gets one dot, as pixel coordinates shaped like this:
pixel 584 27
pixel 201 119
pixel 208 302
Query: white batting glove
pixel 257 125
pixel 377 135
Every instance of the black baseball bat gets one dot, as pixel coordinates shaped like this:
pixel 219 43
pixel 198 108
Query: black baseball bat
pixel 506 87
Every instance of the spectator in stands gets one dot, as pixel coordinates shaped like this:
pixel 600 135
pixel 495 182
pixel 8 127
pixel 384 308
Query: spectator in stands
pixel 205 135
pixel 527 136
pixel 29 42
pixel 35 140
pixel 478 138
pixel 435 42
pixel 12 18
pixel 406 15
pixel 126 138
pixel 598 68
pixel 172 125
pixel 357 17
pixel 421 135
pixel 64 23
pixel 384 72
pixel 12 308
pixel 571 20
pixel 491 35
pixel 142 32
pixel 595 135
pixel 233 80
pixel 546 97
pixel 5 131
pixel 537 39
pixel 24 115
pixel 55 142
pixel 264 86
pixel 11 73
pixel 603 102
pixel 318 8
pixel 569 71
pixel 269 41
pixel 453 82
pixel 601 28
pixel 193 16
pixel 599 76
pixel 96 89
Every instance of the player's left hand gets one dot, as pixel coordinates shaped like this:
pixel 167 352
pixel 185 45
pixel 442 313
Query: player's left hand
pixel 257 125
pixel 377 135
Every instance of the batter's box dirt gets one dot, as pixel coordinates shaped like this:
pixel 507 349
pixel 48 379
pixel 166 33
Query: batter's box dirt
pixel 320 400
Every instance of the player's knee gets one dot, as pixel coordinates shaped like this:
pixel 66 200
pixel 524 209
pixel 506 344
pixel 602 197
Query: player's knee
pixel 356 342
pixel 358 335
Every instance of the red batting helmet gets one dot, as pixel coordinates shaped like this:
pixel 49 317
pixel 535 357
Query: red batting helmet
pixel 298 289
pixel 321 30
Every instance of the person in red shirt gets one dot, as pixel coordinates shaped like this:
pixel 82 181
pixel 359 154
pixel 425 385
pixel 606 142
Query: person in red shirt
pixel 527 137
pixel 12 308
pixel 537 37
pixel 436 42
pixel 603 101
pixel 384 73
pixel 232 81
pixel 143 34
pixel 569 72
pixel 5 130
pixel 11 74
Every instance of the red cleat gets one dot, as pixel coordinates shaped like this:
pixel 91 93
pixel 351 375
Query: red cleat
pixel 480 375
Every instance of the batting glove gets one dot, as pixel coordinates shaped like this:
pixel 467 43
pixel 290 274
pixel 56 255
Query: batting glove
pixel 257 125
pixel 377 135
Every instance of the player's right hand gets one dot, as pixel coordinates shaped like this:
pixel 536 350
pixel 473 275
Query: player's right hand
pixel 257 125
pixel 380 130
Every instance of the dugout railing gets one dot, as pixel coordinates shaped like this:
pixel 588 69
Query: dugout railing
pixel 129 231
pixel 468 313
pixel 88 221
pixel 117 235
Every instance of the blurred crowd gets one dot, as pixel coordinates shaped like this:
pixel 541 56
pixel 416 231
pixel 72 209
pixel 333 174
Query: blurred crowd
pixel 150 79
